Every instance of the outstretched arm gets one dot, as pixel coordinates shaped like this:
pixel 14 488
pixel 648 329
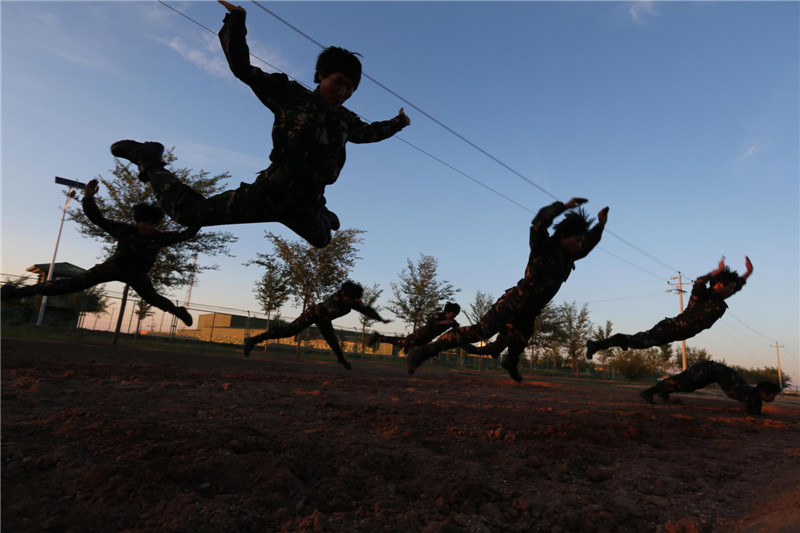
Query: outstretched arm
pixel 360 132
pixel 702 280
pixel 169 238
pixel 594 235
pixel 368 311
pixel 93 213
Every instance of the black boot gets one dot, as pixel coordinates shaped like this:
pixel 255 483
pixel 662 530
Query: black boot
pixel 510 364
pixel 146 155
pixel 249 344
pixel 184 315
pixel 416 356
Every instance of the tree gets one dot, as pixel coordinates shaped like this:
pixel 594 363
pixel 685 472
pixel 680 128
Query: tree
pixel 272 290
pixel 479 307
pixel 578 328
pixel 754 375
pixel 631 364
pixel 603 356
pixel 176 263
pixel 420 293
pixel 312 274
pixel 371 295
pixel 548 335
pixel 665 355
pixel 696 355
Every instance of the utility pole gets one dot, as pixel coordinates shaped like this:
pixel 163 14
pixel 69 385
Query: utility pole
pixel 778 353
pixel 679 289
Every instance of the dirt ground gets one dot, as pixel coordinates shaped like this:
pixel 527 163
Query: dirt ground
pixel 96 438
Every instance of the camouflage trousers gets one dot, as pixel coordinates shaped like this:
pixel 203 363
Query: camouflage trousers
pixel 299 324
pixel 701 375
pixel 666 331
pixel 504 318
pixel 96 275
pixel 265 200
pixel 419 337
pixel 520 333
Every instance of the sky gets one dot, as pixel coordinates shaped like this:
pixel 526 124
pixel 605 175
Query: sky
pixel 682 117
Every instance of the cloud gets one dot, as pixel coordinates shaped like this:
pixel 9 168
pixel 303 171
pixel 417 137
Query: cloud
pixel 640 12
pixel 205 56
pixel 749 151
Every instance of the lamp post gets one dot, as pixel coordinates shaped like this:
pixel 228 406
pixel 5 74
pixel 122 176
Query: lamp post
pixel 70 194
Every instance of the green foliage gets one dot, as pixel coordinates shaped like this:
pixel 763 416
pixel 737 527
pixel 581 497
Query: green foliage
pixel 312 274
pixel 633 365
pixel 371 295
pixel 693 356
pixel 272 290
pixel 754 375
pixel 479 307
pixel 176 264
pixel 420 293
pixel 577 329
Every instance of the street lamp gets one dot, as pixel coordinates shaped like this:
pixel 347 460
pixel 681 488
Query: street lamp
pixel 70 194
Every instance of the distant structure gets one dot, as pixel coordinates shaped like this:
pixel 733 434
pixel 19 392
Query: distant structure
pixel 62 310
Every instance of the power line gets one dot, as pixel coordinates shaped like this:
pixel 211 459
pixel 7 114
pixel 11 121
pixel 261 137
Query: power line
pixel 461 137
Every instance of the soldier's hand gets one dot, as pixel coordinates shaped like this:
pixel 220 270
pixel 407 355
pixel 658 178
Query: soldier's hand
pixel 230 7
pixel 91 189
pixel 602 216
pixel 575 202
pixel 402 115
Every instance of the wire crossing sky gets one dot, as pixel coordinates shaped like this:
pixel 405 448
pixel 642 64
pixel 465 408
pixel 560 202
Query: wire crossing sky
pixel 682 117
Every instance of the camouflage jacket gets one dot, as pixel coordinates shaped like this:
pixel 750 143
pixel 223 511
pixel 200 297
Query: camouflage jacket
pixel 308 135
pixel 705 306
pixel 548 265
pixel 732 384
pixel 334 307
pixel 135 253
pixel 434 326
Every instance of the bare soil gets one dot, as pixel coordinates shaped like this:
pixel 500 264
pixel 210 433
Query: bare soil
pixel 96 438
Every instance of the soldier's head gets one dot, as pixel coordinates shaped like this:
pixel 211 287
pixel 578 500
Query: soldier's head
pixel 451 309
pixel 767 390
pixel 351 291
pixel 572 230
pixel 725 282
pixel 147 217
pixel 338 73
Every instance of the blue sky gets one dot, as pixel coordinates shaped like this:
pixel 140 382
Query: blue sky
pixel 682 117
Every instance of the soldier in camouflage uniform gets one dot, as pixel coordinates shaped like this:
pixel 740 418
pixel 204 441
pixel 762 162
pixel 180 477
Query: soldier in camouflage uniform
pixel 137 248
pixel 706 306
pixel 309 136
pixel 707 372
pixel 321 315
pixel 551 260
pixel 437 323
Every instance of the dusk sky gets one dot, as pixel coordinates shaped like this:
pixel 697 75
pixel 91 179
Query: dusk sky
pixel 683 117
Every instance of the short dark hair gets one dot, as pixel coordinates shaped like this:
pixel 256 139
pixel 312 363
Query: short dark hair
pixel 768 387
pixel 144 212
pixel 451 307
pixel 575 222
pixel 725 276
pixel 352 289
pixel 335 59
